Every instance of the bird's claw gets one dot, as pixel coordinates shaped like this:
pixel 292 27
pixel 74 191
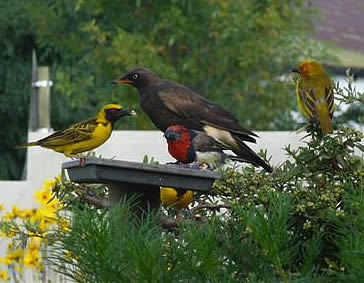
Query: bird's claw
pixel 173 163
pixel 198 165
pixel 177 163
pixel 82 161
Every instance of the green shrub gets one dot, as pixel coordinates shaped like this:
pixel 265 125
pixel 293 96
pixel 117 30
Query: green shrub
pixel 302 223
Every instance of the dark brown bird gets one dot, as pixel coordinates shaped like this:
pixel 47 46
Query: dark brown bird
pixel 169 103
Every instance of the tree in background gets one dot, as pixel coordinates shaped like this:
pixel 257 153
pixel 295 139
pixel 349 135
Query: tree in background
pixel 16 44
pixel 230 51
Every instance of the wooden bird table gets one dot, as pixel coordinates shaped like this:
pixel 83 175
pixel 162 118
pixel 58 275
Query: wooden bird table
pixel 126 178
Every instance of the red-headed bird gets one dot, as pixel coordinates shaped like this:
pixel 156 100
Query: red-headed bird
pixel 169 103
pixel 188 146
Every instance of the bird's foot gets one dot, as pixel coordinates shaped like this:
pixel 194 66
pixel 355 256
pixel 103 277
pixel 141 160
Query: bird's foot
pixel 173 163
pixel 81 157
pixel 198 165
pixel 179 215
pixel 82 161
pixel 177 163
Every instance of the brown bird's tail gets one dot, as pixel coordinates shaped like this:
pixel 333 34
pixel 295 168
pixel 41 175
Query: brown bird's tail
pixel 246 154
pixel 26 145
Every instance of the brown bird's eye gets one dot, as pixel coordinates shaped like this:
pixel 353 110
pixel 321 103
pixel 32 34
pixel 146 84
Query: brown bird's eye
pixel 135 76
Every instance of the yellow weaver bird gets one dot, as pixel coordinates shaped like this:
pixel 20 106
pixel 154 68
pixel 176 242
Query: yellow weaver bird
pixel 85 135
pixel 177 198
pixel 315 96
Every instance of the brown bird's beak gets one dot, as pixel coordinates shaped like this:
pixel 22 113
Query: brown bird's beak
pixel 121 80
pixel 295 70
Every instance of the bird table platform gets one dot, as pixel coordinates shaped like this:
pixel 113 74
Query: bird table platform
pixel 126 178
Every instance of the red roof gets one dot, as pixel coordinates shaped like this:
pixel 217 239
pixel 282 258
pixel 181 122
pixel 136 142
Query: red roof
pixel 341 21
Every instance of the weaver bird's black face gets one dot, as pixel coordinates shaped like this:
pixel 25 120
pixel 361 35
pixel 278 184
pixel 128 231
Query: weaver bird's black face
pixel 114 114
pixel 139 78
pixel 171 135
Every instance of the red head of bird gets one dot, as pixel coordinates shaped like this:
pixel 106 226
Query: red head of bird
pixel 308 68
pixel 180 146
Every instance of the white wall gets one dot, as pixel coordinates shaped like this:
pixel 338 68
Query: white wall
pixel 126 145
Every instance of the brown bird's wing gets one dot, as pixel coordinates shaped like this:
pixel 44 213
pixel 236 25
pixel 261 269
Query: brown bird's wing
pixel 189 105
pixel 77 132
pixel 203 142
pixel 246 154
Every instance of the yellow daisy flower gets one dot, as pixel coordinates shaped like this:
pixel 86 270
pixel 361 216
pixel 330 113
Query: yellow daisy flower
pixel 49 184
pixel 43 196
pixel 31 259
pixel 5 260
pixel 15 255
pixel 27 213
pixel 4 275
pixel 9 215
pixel 54 205
pixel 44 224
pixel 34 215
pixel 34 245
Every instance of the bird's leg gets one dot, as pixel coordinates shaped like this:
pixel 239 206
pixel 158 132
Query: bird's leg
pixel 204 167
pixel 177 163
pixel 82 161
pixel 194 165
pixel 82 158
pixel 173 163
pixel 179 215
pixel 198 165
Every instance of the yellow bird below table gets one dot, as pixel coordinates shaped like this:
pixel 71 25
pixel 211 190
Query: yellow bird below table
pixel 85 135
pixel 177 198
pixel 315 96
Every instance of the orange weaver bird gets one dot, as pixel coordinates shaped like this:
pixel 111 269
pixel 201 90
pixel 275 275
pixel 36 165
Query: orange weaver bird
pixel 177 198
pixel 315 95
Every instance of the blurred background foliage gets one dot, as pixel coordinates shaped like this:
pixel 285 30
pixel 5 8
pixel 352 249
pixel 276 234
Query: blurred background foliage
pixel 233 52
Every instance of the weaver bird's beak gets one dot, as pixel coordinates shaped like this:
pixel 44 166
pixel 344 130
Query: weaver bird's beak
pixel 124 112
pixel 295 70
pixel 121 80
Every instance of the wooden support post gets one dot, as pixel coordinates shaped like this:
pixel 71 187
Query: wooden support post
pixel 39 111
pixel 44 99
pixel 147 197
pixel 33 113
